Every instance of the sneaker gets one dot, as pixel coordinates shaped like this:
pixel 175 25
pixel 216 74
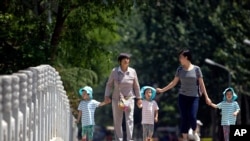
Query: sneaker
pixel 196 137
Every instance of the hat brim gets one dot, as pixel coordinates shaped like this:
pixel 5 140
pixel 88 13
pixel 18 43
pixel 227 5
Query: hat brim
pixel 124 55
pixel 142 91
pixel 84 89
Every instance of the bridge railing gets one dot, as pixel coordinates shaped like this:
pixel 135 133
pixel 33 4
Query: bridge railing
pixel 34 106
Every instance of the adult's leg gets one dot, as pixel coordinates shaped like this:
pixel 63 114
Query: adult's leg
pixel 129 114
pixel 117 118
pixel 194 101
pixel 184 108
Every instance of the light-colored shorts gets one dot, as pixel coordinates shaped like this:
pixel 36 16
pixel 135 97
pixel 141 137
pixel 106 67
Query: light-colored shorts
pixel 148 130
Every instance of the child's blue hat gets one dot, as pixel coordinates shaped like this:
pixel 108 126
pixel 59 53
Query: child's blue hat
pixel 232 90
pixel 142 92
pixel 89 91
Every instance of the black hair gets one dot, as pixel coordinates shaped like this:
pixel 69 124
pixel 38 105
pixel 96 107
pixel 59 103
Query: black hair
pixel 229 90
pixel 146 90
pixel 186 53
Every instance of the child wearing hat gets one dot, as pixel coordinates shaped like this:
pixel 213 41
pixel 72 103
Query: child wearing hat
pixel 86 112
pixel 229 110
pixel 149 111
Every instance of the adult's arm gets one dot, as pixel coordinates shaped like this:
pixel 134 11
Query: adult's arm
pixel 204 91
pixel 109 87
pixel 109 84
pixel 136 86
pixel 169 86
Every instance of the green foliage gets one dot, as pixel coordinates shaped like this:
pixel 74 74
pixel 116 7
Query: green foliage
pixel 83 43
pixel 76 78
pixel 22 44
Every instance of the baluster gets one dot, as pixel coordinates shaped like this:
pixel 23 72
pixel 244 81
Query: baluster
pixel 30 104
pixel 17 114
pixel 7 107
pixel 1 112
pixel 39 101
pixel 46 101
pixel 23 91
pixel 43 106
pixel 34 123
pixel 53 102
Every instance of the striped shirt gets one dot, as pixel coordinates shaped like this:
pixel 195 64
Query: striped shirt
pixel 148 111
pixel 88 111
pixel 188 79
pixel 227 110
pixel 127 82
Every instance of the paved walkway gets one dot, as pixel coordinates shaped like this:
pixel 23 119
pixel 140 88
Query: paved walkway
pixel 56 139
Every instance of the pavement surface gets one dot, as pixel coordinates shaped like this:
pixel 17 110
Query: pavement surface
pixel 56 139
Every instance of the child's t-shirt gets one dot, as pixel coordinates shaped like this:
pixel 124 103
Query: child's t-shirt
pixel 148 111
pixel 88 111
pixel 227 110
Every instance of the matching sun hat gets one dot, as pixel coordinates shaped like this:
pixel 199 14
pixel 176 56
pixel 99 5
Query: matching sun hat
pixel 232 90
pixel 88 89
pixel 143 89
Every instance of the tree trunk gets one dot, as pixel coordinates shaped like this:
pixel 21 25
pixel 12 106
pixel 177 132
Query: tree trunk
pixel 56 34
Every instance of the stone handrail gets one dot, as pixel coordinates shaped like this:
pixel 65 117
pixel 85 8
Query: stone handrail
pixel 34 106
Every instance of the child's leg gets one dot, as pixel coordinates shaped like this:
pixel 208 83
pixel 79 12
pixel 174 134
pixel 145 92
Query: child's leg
pixel 144 132
pixel 90 132
pixel 226 130
pixel 150 131
pixel 84 133
pixel 84 138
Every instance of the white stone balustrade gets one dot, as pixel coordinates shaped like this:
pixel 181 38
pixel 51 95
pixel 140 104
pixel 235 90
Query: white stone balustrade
pixel 34 106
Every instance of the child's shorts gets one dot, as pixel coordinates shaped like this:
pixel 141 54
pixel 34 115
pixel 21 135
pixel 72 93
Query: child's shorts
pixel 148 130
pixel 89 131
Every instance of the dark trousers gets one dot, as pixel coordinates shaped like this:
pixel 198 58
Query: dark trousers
pixel 188 107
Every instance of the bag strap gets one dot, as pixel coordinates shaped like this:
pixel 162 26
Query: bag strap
pixel 118 81
pixel 198 84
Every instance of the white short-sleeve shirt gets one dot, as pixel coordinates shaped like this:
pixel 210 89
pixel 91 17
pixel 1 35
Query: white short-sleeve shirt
pixel 148 111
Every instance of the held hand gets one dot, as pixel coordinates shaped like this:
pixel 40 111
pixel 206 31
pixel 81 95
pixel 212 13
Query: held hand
pixel 208 101
pixel 107 100
pixel 235 113
pixel 156 119
pixel 159 90
pixel 139 106
pixel 139 102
